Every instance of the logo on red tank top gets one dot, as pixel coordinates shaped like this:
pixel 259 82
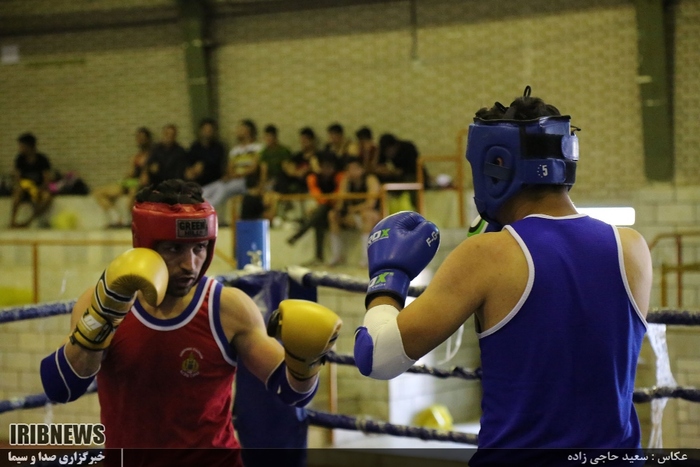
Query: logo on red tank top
pixel 190 363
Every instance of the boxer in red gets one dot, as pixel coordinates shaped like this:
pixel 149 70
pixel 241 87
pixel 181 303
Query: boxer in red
pixel 163 339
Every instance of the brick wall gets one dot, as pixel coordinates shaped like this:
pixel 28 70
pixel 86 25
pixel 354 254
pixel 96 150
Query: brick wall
pixel 355 65
pixel 686 98
pixel 84 93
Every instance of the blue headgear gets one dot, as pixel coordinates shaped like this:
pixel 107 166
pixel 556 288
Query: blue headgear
pixel 505 155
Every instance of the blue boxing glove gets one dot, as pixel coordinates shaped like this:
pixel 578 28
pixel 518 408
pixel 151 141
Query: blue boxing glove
pixel 398 249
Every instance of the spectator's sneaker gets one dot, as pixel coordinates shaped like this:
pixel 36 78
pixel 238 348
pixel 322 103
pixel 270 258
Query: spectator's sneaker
pixel 277 222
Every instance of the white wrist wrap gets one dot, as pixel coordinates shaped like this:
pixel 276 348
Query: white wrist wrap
pixel 389 358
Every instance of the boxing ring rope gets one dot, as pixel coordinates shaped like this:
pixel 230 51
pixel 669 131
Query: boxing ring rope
pixel 352 284
pixel 454 372
pixel 673 317
pixel 8 315
pixel 33 401
pixel 640 395
pixel 316 418
pixel 367 425
pixel 308 278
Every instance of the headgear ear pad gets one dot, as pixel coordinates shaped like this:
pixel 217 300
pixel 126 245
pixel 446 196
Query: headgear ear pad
pixel 498 164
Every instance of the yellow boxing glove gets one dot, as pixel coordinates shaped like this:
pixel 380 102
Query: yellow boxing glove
pixel 136 269
pixel 307 331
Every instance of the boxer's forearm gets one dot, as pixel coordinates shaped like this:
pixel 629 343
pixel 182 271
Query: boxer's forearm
pixel 384 300
pixel 84 362
pixel 67 378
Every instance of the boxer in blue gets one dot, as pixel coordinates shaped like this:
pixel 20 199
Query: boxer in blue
pixel 560 299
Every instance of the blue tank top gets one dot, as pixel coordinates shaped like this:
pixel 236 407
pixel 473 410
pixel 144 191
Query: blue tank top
pixel 559 369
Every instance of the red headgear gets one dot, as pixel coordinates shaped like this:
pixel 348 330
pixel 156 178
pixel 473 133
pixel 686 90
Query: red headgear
pixel 157 222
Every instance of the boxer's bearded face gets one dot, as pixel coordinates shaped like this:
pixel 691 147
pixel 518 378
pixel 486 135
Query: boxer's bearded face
pixel 184 261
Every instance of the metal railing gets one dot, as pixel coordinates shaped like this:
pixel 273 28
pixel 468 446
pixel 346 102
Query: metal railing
pixel 385 189
pixel 457 181
pixel 679 268
pixel 236 202
pixel 35 244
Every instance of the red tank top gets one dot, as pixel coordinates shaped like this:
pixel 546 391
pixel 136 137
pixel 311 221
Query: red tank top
pixel 167 383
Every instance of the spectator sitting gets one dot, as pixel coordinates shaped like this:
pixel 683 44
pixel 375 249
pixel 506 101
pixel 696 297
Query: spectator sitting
pixel 366 150
pixel 292 179
pixel 397 160
pixel 326 181
pixel 273 156
pixel 107 196
pixel 168 159
pixel 244 158
pixel 32 175
pixel 339 145
pixel 294 170
pixel 361 214
pixel 244 176
pixel 206 158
